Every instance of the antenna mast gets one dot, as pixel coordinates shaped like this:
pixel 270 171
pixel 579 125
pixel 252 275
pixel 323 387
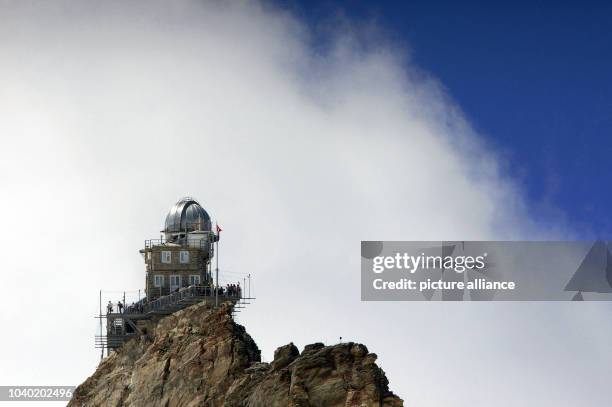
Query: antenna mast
pixel 217 272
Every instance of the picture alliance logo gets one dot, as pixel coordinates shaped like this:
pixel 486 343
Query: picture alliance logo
pixel 412 264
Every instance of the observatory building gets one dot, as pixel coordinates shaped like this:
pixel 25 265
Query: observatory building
pixel 178 274
pixel 182 257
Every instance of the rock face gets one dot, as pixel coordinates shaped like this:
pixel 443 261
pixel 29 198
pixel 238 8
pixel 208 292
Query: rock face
pixel 201 357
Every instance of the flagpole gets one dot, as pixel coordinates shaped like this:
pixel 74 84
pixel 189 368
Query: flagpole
pixel 217 271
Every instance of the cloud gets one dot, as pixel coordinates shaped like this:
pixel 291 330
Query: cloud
pixel 112 111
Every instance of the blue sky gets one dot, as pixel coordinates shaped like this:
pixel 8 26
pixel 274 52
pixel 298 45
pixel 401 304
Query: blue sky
pixel 534 79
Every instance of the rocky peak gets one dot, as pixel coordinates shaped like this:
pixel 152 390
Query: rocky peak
pixel 200 357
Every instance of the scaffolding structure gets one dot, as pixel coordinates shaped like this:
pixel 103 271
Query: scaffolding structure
pixel 126 321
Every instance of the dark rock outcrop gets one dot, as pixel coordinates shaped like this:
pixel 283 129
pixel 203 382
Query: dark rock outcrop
pixel 201 357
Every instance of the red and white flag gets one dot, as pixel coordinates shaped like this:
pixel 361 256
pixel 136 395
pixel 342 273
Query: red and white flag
pixel 218 229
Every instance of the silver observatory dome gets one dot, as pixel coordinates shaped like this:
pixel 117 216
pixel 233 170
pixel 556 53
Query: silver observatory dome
pixel 186 216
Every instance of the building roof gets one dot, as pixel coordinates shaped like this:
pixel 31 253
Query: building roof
pixel 187 214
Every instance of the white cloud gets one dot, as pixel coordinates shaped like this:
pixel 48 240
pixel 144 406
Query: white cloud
pixel 111 112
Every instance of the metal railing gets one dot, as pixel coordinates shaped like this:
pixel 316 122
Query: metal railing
pixel 196 243
pixel 184 295
pixel 149 243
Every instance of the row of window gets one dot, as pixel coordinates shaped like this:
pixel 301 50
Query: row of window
pixel 166 256
pixel 175 280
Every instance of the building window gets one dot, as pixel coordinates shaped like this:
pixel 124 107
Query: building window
pixel 194 279
pixel 175 282
pixel 184 256
pixel 166 257
pixel 158 281
pixel 148 256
